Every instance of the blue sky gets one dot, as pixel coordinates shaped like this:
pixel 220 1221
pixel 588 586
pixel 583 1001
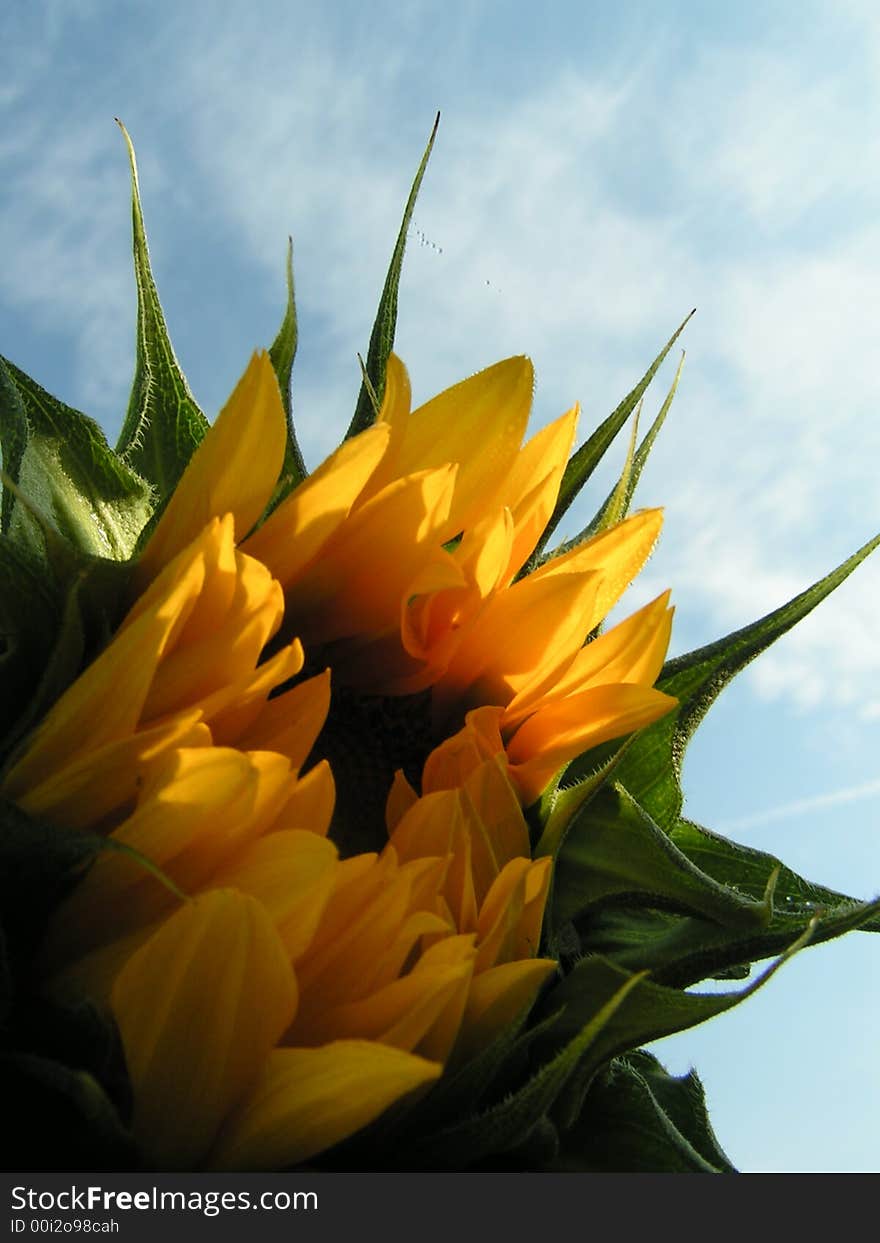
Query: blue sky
pixel 597 173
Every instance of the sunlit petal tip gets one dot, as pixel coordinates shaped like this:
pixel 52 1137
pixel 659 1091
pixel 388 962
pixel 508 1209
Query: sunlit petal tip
pixel 234 469
pixel 293 535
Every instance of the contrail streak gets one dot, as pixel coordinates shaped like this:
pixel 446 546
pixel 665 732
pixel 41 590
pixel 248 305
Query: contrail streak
pixel 849 794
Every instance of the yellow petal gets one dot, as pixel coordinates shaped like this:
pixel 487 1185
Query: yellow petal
pixel 394 413
pixel 350 591
pixel 292 536
pixel 82 793
pixel 401 797
pixel 291 722
pixel 92 712
pixel 519 645
pixel 436 825
pixel 617 554
pixel 478 423
pixel 306 1100
pixel 234 469
pixel 199 1008
pixel 632 651
pixel 310 802
pixel 361 919
pixel 559 731
pixel 292 873
pixel 513 912
pixel 496 998
pixel 489 797
pixel 192 805
pixel 532 487
pixel 403 1012
pixel 450 763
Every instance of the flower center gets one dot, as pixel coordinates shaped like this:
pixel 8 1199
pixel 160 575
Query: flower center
pixel 366 739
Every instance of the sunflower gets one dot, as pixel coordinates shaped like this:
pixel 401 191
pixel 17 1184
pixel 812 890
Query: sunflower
pixel 272 995
pixel 334 799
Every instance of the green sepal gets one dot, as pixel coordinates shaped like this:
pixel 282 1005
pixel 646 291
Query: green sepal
pixel 38 866
pixel 732 864
pixel 617 503
pixel 163 425
pixel 559 805
pixel 615 852
pixel 615 507
pixel 585 460
pixel 637 1118
pixel 509 1124
pixel 282 352
pixel 681 951
pixel 56 1117
pixel 61 463
pixel 29 615
pixel 61 659
pixel 645 1011
pixel 79 616
pixel 77 1033
pixel 489 1075
pixel 385 325
pixel 651 769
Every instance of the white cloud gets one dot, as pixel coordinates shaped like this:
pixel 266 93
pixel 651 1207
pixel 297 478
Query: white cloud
pixel 551 243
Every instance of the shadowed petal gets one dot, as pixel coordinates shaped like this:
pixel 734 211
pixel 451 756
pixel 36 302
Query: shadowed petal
pixel 199 1008
pixel 309 1099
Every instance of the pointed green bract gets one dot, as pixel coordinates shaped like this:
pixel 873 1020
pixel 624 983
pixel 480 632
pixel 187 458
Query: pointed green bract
pixel 680 951
pixel 282 352
pixel 743 866
pixel 163 425
pixel 585 460
pixel 382 336
pixel 614 509
pixel 616 505
pixel 560 805
pixel 61 462
pixel 644 1012
pixel 510 1122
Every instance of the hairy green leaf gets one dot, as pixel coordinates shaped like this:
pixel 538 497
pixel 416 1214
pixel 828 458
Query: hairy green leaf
pixel 614 851
pixel 637 1118
pixel 510 1123
pixel 681 951
pixel 645 1012
pixel 61 463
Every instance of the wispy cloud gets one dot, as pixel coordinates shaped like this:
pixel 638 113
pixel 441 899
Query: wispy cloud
pixel 576 215
pixel 801 807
